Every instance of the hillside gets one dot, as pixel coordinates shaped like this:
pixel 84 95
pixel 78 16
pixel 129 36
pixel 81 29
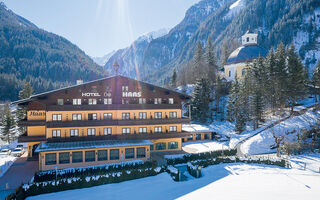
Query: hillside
pixel 225 21
pixel 47 60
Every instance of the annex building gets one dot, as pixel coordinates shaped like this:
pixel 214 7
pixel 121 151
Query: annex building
pixel 110 120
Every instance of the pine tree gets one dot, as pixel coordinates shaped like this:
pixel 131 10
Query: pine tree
pixel 174 79
pixel 8 122
pixel 280 70
pixel 197 61
pixel 211 62
pixel 200 100
pixel 21 114
pixel 296 78
pixel 270 63
pixel 316 80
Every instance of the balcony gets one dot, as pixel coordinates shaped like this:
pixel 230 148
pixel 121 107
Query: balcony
pixel 87 123
pixel 113 107
pixel 25 138
pixel 121 137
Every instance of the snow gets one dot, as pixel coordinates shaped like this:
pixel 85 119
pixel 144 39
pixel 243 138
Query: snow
pixel 235 8
pixel 246 181
pixel 204 146
pixel 196 128
pixel 5 163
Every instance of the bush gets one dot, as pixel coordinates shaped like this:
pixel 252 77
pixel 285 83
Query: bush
pixel 194 170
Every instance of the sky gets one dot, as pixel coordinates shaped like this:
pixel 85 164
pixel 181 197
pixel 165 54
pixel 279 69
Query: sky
pixel 100 26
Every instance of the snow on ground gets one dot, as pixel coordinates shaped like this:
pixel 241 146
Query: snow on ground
pixel 245 181
pixel 204 146
pixel 5 162
pixel 261 143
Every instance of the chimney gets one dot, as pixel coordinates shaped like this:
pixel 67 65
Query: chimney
pixel 79 82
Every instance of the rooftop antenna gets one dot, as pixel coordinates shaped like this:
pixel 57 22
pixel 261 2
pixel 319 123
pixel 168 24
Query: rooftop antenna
pixel 116 67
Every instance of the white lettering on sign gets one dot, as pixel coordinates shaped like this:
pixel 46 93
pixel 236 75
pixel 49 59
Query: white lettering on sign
pixel 90 94
pixel 131 94
pixel 33 113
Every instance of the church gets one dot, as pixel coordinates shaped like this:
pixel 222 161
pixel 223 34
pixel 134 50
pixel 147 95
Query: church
pixel 243 56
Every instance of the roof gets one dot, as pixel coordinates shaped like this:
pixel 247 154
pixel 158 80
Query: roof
pixel 57 146
pixel 246 54
pixel 195 128
pixel 73 86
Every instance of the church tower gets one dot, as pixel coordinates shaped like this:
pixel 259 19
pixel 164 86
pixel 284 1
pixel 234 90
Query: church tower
pixel 249 38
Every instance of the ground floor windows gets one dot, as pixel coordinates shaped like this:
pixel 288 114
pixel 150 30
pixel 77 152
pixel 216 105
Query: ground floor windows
pixel 206 136
pixel 77 157
pixel 190 137
pixel 160 146
pixel 74 132
pixel 90 156
pixel 107 131
pixel 141 152
pixel 102 155
pixel 56 133
pixel 114 154
pixel 51 159
pixel 198 137
pixel 172 145
pixel 129 153
pixel 64 158
pixel 91 131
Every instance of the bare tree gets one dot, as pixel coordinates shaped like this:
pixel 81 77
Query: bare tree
pixel 278 140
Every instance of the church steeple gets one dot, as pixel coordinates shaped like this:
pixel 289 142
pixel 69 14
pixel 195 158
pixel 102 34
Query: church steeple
pixel 249 38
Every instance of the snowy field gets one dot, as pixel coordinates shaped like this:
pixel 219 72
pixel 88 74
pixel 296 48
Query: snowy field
pixel 204 146
pixel 224 181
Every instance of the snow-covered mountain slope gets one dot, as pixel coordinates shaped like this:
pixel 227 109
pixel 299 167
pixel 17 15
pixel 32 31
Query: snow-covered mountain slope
pixel 104 59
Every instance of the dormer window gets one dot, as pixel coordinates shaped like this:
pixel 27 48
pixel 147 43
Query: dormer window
pixel 60 102
pixel 76 101
pixel 171 101
pixel 125 88
pixel 157 101
pixel 92 101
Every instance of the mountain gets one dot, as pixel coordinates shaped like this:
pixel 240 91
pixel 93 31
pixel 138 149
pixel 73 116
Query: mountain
pixel 287 21
pixel 46 60
pixel 130 58
pixel 104 59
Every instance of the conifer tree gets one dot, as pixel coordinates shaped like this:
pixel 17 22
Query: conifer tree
pixel 8 123
pixel 211 62
pixel 316 80
pixel 296 78
pixel 270 63
pixel 197 61
pixel 232 101
pixel 25 93
pixel 280 76
pixel 200 100
pixel 174 79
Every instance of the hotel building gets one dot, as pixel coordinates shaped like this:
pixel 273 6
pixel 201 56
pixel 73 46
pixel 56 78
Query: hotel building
pixel 110 120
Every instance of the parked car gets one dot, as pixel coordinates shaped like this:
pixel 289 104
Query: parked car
pixel 17 152
pixel 5 152
pixel 19 146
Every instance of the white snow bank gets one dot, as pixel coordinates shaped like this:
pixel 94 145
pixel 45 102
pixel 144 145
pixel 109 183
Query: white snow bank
pixel 204 146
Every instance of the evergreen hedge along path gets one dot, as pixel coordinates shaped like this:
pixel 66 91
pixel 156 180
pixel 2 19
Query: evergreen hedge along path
pixel 46 182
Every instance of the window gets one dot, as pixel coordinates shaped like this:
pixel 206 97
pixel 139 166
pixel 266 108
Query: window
pixel 60 102
pixel 76 101
pixel 160 146
pixel 74 132
pixel 126 131
pixel 172 145
pixel 158 115
pixel 76 116
pixel 107 115
pixel 91 131
pixel 51 159
pixel 64 158
pixel 125 88
pixel 190 138
pixel 56 117
pixel 102 155
pixel 56 133
pixel 92 116
pixel 173 115
pixel 129 153
pixel 77 157
pixel 151 147
pixel 92 101
pixel 108 101
pixel 198 137
pixel 142 100
pixel 173 129
pixel 107 131
pixel 114 154
pixel 142 115
pixel 171 101
pixel 158 129
pixel 229 73
pixel 141 152
pixel 206 136
pixel 142 130
pixel 247 39
pixel 157 101
pixel 125 115
pixel 90 156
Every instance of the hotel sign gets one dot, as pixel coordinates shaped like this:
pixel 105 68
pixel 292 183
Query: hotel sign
pixel 37 113
pixel 131 94
pixel 90 94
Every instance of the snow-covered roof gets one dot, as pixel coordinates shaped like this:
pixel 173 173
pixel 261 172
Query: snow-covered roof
pixel 55 146
pixel 195 128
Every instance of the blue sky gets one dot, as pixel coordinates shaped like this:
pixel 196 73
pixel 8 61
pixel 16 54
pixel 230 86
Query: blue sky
pixel 100 26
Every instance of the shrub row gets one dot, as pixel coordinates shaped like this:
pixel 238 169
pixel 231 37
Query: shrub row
pixel 200 156
pixel 83 182
pixel 91 171
pixel 194 170
pixel 174 172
